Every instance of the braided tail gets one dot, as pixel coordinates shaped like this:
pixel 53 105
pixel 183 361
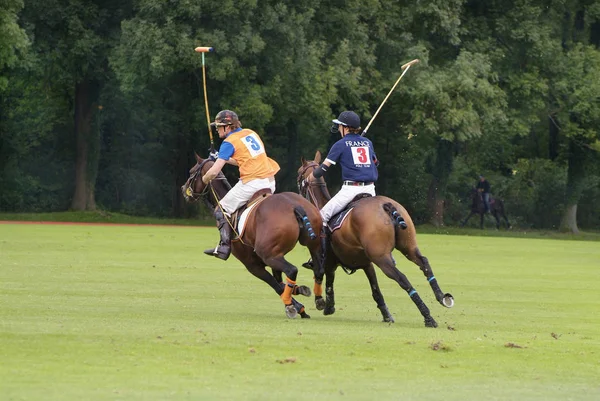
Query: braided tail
pixel 304 221
pixel 395 215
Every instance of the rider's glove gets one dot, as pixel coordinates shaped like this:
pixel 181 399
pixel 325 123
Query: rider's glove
pixel 213 155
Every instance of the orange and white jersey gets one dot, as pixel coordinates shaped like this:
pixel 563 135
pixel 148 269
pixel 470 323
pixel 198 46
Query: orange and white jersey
pixel 249 152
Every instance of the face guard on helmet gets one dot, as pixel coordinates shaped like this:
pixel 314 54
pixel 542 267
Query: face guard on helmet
pixel 347 119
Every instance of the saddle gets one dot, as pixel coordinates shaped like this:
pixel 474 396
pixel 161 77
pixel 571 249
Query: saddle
pixel 238 218
pixel 338 219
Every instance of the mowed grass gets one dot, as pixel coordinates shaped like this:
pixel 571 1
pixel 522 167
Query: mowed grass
pixel 139 313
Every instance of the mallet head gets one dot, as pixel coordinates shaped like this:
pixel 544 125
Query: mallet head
pixel 204 49
pixel 410 63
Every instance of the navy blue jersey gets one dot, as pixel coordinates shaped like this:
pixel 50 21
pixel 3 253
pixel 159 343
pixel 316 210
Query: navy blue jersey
pixel 356 157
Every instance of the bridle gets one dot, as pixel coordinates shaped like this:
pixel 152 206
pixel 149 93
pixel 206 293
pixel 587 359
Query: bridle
pixel 189 186
pixel 306 187
pixel 189 193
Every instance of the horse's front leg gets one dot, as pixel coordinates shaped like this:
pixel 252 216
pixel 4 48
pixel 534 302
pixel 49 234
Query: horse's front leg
pixel 508 226
pixel 329 293
pixel 464 222
pixel 377 295
pixel 481 215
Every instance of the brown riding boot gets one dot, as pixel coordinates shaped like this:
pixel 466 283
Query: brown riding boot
pixel 223 250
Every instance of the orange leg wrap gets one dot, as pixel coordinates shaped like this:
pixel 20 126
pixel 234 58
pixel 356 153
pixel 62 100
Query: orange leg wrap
pixel 318 289
pixel 286 297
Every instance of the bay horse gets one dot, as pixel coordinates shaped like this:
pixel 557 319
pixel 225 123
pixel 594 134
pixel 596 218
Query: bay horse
pixel 272 230
pixel 478 207
pixel 367 236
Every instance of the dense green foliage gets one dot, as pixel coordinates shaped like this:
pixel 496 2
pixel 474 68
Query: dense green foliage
pixel 102 101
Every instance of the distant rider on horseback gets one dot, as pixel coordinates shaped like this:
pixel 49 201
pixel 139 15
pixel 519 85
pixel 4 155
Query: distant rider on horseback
pixel 483 186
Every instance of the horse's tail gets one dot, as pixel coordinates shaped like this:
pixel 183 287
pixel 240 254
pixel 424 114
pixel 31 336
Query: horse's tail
pixel 304 221
pixel 397 218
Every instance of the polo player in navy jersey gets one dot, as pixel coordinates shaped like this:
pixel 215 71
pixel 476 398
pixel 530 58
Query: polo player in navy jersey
pixel 356 157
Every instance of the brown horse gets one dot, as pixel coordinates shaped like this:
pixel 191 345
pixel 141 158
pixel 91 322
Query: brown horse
pixel 272 230
pixel 478 207
pixel 368 235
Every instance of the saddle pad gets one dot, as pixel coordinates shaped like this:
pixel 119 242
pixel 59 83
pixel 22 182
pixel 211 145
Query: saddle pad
pixel 242 221
pixel 337 220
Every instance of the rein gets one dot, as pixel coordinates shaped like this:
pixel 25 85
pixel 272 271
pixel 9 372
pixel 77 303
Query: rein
pixel 305 187
pixel 195 196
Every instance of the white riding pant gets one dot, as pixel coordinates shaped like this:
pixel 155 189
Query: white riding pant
pixel 241 193
pixel 342 198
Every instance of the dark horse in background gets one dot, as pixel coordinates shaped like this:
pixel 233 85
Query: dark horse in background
pixel 368 235
pixel 272 230
pixel 478 207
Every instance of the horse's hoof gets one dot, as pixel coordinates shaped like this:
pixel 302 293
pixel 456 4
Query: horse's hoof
pixel 387 316
pixel 302 290
pixel 329 310
pixel 291 312
pixel 448 300
pixel 319 303
pixel 430 322
pixel 304 315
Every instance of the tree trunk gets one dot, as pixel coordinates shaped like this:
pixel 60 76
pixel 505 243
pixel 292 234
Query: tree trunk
pixel 86 163
pixel 575 181
pixel 435 203
pixel 569 220
pixel 441 169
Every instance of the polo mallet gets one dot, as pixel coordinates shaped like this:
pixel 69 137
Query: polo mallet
pixel 404 68
pixel 205 49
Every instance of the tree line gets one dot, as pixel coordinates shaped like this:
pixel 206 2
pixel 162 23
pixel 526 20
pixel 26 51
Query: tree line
pixel 101 101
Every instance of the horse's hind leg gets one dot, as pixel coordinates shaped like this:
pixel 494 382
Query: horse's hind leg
pixel 377 295
pixel 257 269
pixel 495 214
pixel 279 263
pixel 387 265
pixel 415 256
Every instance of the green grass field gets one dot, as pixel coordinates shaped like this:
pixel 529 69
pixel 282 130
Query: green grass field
pixel 139 313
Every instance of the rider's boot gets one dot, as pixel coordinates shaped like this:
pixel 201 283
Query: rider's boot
pixel 223 249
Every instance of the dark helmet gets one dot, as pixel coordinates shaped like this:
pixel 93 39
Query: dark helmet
pixel 225 117
pixel 348 119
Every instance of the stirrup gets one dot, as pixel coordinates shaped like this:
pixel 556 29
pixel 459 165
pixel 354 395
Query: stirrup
pixel 309 264
pixel 220 251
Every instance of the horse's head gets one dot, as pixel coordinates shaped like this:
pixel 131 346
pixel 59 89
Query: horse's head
pixel 304 173
pixel 194 187
pixel 306 180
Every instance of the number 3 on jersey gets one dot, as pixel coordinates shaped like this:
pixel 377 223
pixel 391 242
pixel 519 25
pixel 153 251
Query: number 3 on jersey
pixel 361 155
pixel 253 144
